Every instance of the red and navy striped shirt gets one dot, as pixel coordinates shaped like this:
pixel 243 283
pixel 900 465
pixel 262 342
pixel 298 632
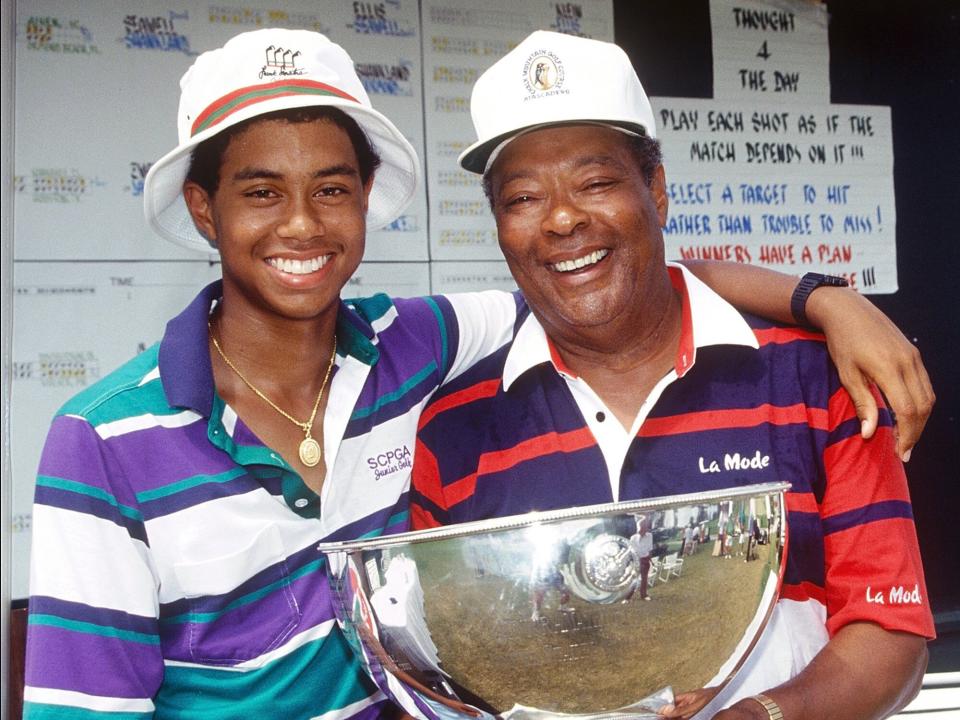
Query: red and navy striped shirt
pixel 508 437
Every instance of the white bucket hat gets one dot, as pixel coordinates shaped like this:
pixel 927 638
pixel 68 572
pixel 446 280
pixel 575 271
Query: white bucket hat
pixel 259 72
pixel 551 78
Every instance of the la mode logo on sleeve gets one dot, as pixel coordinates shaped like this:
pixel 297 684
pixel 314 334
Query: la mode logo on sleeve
pixel 896 595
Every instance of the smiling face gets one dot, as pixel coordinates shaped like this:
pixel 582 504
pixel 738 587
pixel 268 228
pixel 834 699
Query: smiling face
pixel 288 217
pixel 580 228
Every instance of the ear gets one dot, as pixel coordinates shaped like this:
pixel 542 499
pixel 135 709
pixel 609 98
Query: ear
pixel 367 187
pixel 658 188
pixel 200 205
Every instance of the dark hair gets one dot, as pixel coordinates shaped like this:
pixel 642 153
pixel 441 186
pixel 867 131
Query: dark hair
pixel 645 150
pixel 207 157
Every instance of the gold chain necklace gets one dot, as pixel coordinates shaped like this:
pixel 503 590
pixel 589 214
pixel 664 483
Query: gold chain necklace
pixel 310 452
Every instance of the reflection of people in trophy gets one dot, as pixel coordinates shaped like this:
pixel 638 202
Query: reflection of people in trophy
pixel 642 543
pixel 400 611
pixel 745 536
pixel 754 538
pixel 720 548
pixel 627 378
pixel 546 575
pixel 689 543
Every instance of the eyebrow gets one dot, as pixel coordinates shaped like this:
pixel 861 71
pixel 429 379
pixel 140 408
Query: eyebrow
pixel 597 160
pixel 255 173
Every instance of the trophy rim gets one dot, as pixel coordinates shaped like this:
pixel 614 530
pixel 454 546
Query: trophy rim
pixel 511 522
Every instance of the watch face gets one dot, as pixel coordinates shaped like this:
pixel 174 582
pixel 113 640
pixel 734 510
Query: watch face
pixel 815 280
pixel 808 283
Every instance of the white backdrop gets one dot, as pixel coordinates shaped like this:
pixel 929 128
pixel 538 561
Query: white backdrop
pixel 96 92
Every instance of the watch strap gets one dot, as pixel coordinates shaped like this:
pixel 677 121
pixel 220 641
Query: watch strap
pixel 773 710
pixel 801 293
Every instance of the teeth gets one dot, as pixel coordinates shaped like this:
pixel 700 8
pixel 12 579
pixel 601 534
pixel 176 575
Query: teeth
pixel 298 267
pixel 581 262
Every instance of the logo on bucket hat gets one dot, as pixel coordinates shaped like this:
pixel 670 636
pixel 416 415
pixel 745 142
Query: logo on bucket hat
pixel 280 61
pixel 543 73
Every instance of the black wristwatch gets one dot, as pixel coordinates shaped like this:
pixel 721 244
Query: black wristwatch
pixel 808 283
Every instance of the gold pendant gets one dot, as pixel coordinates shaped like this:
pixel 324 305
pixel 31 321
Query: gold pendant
pixel 309 452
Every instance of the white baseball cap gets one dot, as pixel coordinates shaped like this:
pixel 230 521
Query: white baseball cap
pixel 551 78
pixel 260 72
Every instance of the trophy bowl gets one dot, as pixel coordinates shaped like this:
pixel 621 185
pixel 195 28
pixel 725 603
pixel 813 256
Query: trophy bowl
pixel 596 611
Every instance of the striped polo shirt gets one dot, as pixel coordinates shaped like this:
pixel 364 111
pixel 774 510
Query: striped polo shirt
pixel 175 571
pixel 747 402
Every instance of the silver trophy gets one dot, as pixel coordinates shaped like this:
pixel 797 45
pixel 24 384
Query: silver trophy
pixel 589 612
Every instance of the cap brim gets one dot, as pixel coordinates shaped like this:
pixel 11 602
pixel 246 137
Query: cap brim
pixel 394 184
pixel 474 158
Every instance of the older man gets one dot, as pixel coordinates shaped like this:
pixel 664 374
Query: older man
pixel 626 377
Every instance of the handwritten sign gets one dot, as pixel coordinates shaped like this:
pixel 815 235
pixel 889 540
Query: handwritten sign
pixel 770 50
pixel 793 190
pixel 794 182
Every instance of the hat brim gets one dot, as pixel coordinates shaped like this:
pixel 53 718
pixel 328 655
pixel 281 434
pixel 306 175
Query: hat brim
pixel 474 158
pixel 394 183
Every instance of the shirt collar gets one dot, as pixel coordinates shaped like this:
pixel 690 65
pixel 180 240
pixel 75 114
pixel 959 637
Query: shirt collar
pixel 184 359
pixel 707 319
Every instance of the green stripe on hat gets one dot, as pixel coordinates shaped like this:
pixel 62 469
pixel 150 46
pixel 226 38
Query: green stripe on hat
pixel 214 116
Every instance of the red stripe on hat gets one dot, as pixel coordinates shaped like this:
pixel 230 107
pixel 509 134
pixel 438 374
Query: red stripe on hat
pixel 224 107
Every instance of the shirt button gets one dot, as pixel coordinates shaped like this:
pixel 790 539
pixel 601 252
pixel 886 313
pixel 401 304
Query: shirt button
pixel 301 502
pixel 601 417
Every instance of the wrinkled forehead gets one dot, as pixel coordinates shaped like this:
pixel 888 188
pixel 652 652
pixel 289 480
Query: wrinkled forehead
pixel 566 144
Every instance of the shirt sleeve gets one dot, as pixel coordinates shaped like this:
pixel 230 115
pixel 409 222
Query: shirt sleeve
pixel 873 567
pixel 93 646
pixel 484 322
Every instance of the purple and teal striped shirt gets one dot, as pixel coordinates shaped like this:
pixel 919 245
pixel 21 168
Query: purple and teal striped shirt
pixel 175 571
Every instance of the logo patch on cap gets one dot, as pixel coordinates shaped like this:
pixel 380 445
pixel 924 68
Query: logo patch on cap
pixel 543 75
pixel 280 62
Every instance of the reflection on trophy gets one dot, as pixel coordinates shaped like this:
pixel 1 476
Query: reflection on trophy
pixel 590 612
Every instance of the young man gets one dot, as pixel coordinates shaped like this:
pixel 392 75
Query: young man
pixel 628 378
pixel 180 501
